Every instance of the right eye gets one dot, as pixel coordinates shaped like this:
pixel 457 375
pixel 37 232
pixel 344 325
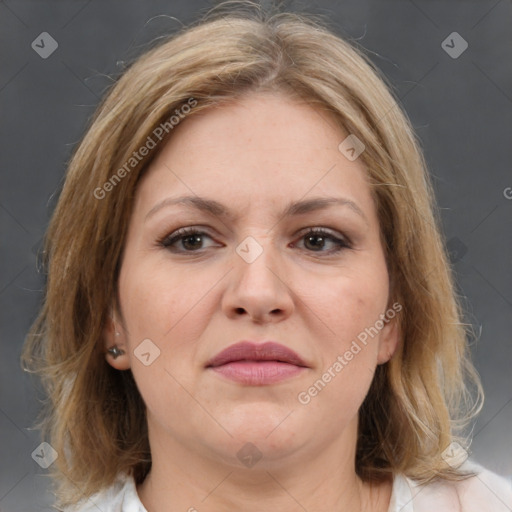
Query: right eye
pixel 187 239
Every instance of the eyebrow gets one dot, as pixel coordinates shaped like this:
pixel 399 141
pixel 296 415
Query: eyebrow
pixel 217 209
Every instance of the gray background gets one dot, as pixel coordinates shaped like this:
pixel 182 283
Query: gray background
pixel 461 109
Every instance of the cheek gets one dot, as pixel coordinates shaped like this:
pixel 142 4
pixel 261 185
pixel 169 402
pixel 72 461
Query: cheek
pixel 349 306
pixel 350 303
pixel 348 355
pixel 155 299
pixel 165 308
pixel 170 306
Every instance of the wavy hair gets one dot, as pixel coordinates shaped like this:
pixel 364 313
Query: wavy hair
pixel 94 416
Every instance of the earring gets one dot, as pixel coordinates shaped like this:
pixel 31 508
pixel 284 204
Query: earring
pixel 115 351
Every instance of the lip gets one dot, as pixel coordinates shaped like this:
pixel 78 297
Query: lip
pixel 257 364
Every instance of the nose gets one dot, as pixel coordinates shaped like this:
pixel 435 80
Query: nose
pixel 259 289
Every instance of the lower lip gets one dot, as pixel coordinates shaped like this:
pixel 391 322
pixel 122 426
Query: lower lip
pixel 258 373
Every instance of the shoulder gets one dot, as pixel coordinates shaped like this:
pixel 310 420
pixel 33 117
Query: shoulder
pixel 121 496
pixel 483 492
pixel 486 491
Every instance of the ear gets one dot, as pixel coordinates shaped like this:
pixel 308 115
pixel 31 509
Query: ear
pixel 114 336
pixel 388 341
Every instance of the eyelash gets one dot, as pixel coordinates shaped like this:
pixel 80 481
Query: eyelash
pixel 182 233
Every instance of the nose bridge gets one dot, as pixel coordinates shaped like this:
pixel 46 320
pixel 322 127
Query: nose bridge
pixel 256 259
pixel 256 285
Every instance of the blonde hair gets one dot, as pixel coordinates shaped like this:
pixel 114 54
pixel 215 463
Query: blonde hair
pixel 95 417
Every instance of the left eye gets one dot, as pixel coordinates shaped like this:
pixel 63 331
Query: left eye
pixel 317 238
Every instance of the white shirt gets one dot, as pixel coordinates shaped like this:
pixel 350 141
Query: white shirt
pixel 485 492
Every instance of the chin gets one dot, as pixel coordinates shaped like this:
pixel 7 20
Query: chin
pixel 269 427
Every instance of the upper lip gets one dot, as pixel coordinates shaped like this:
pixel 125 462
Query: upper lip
pixel 250 351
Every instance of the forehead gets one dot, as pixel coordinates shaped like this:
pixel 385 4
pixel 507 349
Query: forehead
pixel 258 152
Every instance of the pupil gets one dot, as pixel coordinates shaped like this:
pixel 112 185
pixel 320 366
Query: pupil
pixel 319 237
pixel 196 241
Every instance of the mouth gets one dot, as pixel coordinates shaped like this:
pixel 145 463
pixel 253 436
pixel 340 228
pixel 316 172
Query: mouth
pixel 257 364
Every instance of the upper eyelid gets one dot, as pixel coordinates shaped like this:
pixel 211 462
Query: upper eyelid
pixel 207 231
pixel 314 228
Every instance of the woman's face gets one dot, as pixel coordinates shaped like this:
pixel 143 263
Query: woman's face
pixel 253 270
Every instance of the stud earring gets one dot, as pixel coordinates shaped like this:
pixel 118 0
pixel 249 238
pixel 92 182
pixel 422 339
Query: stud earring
pixel 115 352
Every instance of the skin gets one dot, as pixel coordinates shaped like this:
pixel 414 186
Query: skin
pixel 255 156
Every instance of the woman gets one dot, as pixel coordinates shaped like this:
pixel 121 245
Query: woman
pixel 249 305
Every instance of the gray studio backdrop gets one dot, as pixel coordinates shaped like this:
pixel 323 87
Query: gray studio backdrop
pixel 450 65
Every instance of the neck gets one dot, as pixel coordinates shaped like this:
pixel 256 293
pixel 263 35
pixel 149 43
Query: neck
pixel 189 481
